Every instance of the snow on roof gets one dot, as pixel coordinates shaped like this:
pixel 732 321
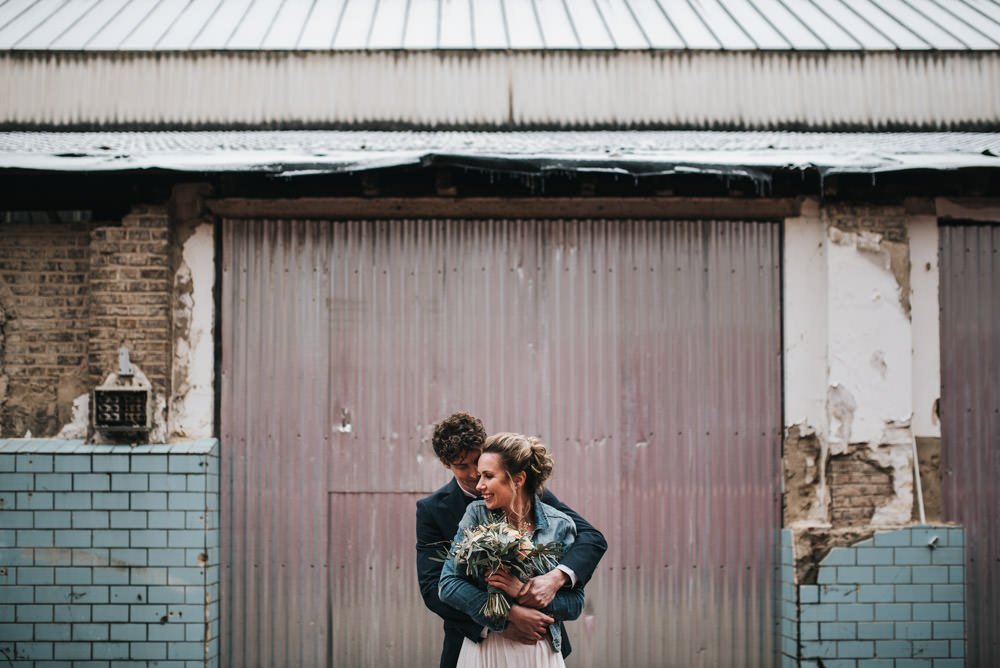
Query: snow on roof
pixel 291 153
pixel 150 25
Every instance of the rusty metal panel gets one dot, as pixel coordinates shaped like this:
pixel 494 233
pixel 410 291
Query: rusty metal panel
pixel 646 353
pixel 970 420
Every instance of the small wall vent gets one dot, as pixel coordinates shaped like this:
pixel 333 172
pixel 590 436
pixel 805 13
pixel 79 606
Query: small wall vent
pixel 123 402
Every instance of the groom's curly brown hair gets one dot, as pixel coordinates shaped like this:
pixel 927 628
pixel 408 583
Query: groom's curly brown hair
pixel 457 434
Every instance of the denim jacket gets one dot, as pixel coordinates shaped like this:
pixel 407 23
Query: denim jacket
pixel 468 594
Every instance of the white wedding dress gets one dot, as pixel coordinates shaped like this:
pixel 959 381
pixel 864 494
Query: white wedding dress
pixel 498 652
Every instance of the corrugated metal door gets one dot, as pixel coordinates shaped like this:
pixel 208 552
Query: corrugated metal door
pixel 970 421
pixel 646 353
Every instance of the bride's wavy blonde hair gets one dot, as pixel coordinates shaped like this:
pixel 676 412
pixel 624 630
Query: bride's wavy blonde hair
pixel 522 453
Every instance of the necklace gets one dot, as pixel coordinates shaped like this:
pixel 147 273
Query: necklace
pixel 521 522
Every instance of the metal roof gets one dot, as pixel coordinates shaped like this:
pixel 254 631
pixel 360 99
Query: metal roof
pixel 291 153
pixel 189 25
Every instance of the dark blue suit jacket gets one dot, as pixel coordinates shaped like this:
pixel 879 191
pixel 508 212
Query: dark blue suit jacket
pixel 438 516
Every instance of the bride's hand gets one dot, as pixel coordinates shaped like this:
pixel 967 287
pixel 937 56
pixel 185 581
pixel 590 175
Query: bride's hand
pixel 507 583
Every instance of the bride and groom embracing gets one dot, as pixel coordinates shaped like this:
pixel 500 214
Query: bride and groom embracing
pixel 501 477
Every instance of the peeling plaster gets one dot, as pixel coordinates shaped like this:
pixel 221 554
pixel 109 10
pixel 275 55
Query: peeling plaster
pixel 79 425
pixel 841 406
pixel 805 494
pixel 811 547
pixel 895 450
pixel 192 404
pixel 870 336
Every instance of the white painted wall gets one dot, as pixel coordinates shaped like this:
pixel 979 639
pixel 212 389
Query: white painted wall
pixel 858 367
pixel 926 326
pixel 805 319
pixel 870 342
pixel 192 405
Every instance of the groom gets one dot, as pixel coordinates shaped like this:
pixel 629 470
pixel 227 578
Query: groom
pixel 458 442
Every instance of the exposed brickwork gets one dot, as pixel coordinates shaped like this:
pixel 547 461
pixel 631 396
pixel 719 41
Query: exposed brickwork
pixel 130 296
pixel 43 341
pixel 887 221
pixel 70 296
pixel 857 488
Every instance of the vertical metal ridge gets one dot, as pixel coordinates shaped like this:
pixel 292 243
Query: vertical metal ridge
pixel 970 420
pixel 644 353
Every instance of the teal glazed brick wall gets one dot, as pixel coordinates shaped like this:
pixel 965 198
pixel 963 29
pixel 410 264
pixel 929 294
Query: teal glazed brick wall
pixel 109 554
pixel 896 600
pixel 788 641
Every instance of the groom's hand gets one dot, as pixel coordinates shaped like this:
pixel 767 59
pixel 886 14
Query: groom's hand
pixel 543 589
pixel 525 625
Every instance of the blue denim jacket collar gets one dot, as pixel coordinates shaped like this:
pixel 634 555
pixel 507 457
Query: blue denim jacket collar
pixel 541 521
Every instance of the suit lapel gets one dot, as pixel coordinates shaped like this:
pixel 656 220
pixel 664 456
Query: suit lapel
pixel 455 503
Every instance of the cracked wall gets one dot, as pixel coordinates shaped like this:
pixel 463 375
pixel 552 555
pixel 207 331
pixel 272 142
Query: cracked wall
pixel 192 399
pixel 861 379
pixel 73 293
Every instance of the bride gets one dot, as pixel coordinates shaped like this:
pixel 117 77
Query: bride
pixel 512 470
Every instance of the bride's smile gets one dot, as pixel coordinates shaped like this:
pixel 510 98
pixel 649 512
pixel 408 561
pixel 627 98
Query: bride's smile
pixel 494 484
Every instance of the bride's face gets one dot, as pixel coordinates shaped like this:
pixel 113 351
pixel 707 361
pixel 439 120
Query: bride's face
pixel 495 486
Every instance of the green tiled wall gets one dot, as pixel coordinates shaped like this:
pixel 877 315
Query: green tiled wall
pixel 109 554
pixel 895 600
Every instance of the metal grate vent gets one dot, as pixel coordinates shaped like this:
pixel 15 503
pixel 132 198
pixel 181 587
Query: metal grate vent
pixel 123 409
pixel 122 403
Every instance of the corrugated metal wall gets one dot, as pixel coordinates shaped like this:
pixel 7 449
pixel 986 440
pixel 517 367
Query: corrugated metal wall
pixel 754 90
pixel 646 353
pixel 970 421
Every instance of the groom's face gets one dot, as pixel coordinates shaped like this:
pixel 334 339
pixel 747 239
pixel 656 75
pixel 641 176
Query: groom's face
pixel 466 473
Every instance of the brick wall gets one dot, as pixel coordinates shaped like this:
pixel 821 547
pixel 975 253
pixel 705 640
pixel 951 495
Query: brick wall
pixel 895 600
pixel 109 554
pixel 857 487
pixel 70 296
pixel 130 296
pixel 43 337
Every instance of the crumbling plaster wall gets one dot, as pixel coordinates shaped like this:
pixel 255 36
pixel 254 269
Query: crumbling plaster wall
pixel 192 401
pixel 861 355
pixel 72 294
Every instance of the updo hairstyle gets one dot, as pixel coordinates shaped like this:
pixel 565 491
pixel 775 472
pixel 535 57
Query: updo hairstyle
pixel 522 453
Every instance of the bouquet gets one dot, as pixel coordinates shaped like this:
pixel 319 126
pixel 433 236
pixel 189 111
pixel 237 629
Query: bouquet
pixel 492 546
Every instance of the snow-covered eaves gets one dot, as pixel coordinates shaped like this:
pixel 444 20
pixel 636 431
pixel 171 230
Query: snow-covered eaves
pixel 207 25
pixel 636 154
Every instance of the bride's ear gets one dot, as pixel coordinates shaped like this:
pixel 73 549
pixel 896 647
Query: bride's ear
pixel 519 478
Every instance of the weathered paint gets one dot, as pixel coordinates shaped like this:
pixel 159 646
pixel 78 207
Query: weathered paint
pixel 804 321
pixel 645 353
pixel 79 424
pixel 855 291
pixel 750 89
pixel 970 419
pixel 870 352
pixel 922 231
pixel 192 404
